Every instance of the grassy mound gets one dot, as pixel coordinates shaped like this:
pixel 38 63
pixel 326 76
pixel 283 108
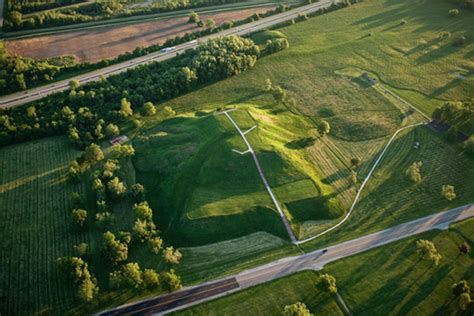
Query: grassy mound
pixel 207 193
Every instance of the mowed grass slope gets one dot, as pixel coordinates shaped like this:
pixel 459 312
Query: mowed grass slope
pixel 36 226
pixel 391 198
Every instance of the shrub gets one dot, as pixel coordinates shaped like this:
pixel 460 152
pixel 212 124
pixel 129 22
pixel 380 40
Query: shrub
pixel 453 12
pixel 447 191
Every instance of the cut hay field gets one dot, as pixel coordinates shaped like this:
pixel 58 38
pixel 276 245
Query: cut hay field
pixel 389 280
pixel 94 45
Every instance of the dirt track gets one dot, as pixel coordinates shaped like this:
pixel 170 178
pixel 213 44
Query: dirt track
pixel 108 42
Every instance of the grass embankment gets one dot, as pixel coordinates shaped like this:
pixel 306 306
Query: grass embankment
pixel 200 185
pixel 389 280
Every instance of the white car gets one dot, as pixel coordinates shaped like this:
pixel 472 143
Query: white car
pixel 166 49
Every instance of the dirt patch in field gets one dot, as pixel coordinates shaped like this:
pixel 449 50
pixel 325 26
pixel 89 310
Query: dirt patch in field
pixel 96 44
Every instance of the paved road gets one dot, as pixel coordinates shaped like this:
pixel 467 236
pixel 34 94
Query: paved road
pixel 311 261
pixel 40 92
pixel 262 176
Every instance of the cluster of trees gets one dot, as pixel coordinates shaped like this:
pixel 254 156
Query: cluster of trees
pixel 108 190
pixel 92 11
pixel 427 251
pixel 19 73
pixel 91 108
pixel 76 269
pixel 414 171
pixel 462 291
pixel 460 118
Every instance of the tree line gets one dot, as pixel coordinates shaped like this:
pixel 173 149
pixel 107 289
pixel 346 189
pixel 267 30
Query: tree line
pixel 93 11
pixel 86 112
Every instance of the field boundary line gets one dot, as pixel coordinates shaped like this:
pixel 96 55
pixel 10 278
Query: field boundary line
pixel 359 191
pixel 262 175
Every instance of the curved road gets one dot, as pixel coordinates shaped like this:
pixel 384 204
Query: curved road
pixel 38 93
pixel 314 260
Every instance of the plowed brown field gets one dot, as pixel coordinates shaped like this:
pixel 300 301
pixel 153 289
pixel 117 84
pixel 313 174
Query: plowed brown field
pixel 96 44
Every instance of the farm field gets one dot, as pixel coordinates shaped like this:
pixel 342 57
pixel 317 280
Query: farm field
pixel 94 45
pixel 35 215
pixel 389 280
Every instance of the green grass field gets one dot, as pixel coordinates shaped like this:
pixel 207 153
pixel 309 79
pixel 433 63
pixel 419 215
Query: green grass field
pixel 389 280
pixel 36 226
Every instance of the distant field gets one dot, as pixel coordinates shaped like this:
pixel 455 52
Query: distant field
pixel 93 45
pixel 389 280
pixel 271 298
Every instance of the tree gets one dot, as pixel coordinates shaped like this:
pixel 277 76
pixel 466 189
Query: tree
pixel 427 251
pixel 453 12
pixel 144 229
pixel 464 301
pixel 268 85
pixel 297 309
pixel 461 287
pixel 75 171
pixel 278 94
pixel 210 23
pixel 114 250
pixel 324 128
pixel 414 173
pixel 112 130
pixel 15 18
pixel 172 256
pixel 138 191
pixel 156 244
pixel 193 17
pixel 110 167
pixel 171 280
pixel 79 216
pixel 87 288
pixel 327 283
pixel 447 191
pixel 168 112
pixel 74 84
pixel 93 153
pixel 151 279
pixel 355 162
pixel 31 112
pixel 125 108
pixel 132 275
pixel 81 249
pixel 143 211
pixel 149 109
pixel 119 151
pixel 116 188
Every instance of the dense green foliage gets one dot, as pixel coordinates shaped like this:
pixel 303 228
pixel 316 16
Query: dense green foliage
pixel 20 73
pixel 90 107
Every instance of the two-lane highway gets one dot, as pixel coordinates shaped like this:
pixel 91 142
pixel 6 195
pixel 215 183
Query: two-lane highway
pixel 315 260
pixel 40 92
